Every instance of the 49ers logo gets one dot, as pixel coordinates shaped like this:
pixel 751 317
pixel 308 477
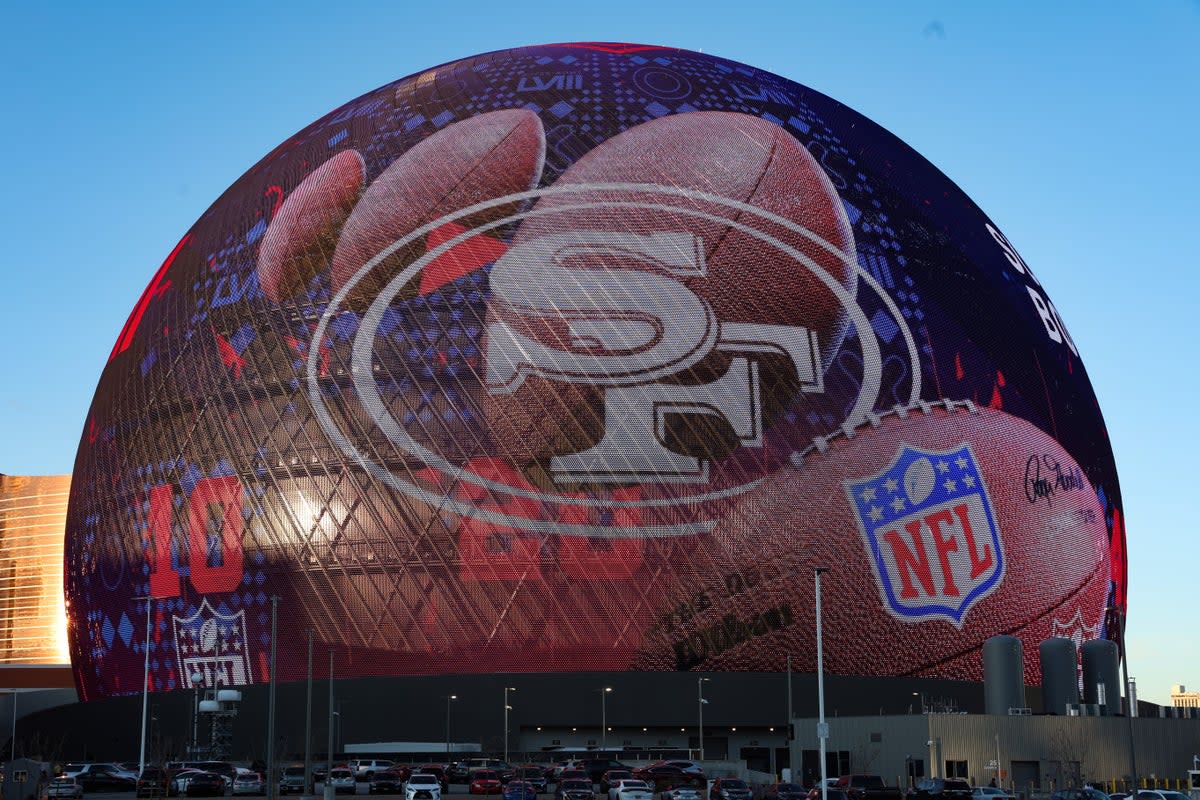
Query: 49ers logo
pixel 625 324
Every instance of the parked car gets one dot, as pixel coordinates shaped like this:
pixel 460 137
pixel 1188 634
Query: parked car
pixel 518 789
pixel 785 791
pixel 423 786
pixel 596 767
pixel 1157 794
pixel 152 782
pixel 991 793
pixel 206 784
pixel 223 768
pixel 485 781
pixel 574 774
pixel 342 780
pixel 611 776
pixel 390 781
pixel 103 777
pixel 476 764
pixel 661 776
pixel 365 768
pixel 531 773
pixel 292 780
pixel 64 787
pixel 729 789
pixel 830 793
pixel 868 787
pixel 574 789
pixel 942 789
pixel 177 786
pixel 253 783
pixel 684 764
pixel 630 789
pixel 438 771
pixel 1086 793
pixel 457 772
pixel 681 793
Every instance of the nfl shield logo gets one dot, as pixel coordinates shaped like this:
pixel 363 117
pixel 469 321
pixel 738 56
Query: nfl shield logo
pixel 929 526
pixel 214 645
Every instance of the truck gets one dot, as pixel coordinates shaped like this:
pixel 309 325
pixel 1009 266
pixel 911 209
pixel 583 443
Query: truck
pixel 868 787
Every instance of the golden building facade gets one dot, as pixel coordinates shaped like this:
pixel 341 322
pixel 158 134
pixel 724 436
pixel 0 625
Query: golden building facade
pixel 33 620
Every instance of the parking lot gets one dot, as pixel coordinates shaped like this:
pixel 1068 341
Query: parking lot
pixel 457 792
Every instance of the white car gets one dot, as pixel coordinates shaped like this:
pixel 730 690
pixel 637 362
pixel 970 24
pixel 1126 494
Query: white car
pixel 681 793
pixel 423 787
pixel 64 787
pixel 342 781
pixel 365 768
pixel 630 789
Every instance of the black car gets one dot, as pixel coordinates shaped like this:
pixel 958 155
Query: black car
pixel 152 782
pixel 292 780
pixel 662 776
pixel 574 789
pixel 596 767
pixel 386 782
pixel 206 784
pixel 785 791
pixel 532 775
pixel 103 777
pixel 940 788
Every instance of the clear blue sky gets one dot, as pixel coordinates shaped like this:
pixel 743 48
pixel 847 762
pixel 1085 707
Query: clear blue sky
pixel 1073 125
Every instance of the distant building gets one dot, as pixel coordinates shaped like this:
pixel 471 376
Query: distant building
pixel 1181 698
pixel 33 616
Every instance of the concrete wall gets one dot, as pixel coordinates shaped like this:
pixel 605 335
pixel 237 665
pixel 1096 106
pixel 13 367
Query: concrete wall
pixel 1051 751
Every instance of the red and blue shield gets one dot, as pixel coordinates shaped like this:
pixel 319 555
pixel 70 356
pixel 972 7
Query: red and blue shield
pixel 928 523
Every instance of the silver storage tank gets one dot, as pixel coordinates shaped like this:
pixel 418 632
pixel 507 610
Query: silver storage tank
pixel 1101 668
pixel 1003 674
pixel 1060 679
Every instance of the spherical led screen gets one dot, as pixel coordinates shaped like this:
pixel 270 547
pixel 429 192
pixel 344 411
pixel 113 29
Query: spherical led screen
pixel 583 357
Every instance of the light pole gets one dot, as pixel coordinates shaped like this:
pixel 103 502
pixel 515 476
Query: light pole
pixel 922 696
pixel 604 718
pixel 309 786
pixel 507 708
pixel 700 704
pixel 822 725
pixel 449 697
pixel 145 685
pixel 196 678
pixel 12 755
pixel 328 788
pixel 1130 711
pixel 271 787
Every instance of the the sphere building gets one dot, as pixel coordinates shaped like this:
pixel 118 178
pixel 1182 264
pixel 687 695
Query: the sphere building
pixel 582 357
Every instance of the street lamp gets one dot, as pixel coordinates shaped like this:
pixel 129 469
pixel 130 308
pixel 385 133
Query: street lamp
pixel 196 679
pixel 604 718
pixel 449 697
pixel 700 697
pixel 922 696
pixel 145 684
pixel 507 708
pixel 822 725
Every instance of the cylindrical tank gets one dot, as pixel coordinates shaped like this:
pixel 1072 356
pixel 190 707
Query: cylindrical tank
pixel 1003 674
pixel 1101 667
pixel 1060 680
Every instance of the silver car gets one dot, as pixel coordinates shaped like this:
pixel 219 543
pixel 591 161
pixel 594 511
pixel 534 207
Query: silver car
pixel 64 787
